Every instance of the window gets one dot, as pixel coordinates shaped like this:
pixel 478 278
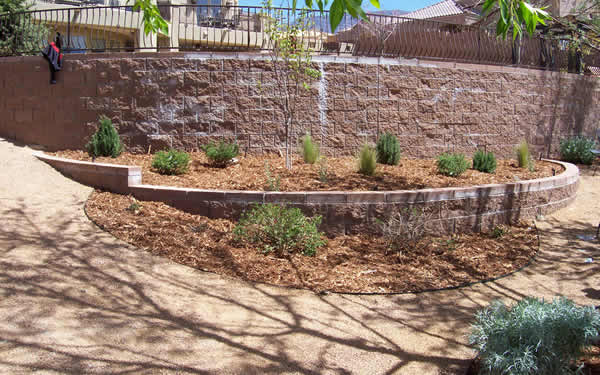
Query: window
pixel 205 13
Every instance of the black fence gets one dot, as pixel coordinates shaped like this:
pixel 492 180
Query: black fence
pixel 86 29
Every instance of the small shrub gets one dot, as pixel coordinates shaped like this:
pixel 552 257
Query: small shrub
pixel 405 228
pixel 524 158
pixel 220 154
pixel 134 208
pixel 106 141
pixel 171 162
pixel 388 149
pixel 578 150
pixel 272 184
pixel 533 336
pixel 279 229
pixel 323 170
pixel 499 231
pixel 309 150
pixel 452 164
pixel 484 161
pixel 367 160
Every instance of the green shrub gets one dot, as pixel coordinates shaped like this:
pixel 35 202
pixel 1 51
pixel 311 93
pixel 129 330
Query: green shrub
pixel 578 150
pixel 220 154
pixel 533 336
pixel 484 161
pixel 452 164
pixel 388 149
pixel 499 231
pixel 272 184
pixel 524 158
pixel 310 150
pixel 171 162
pixel 323 170
pixel 106 141
pixel 279 229
pixel 367 160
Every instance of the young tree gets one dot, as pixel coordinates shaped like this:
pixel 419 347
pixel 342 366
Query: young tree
pixel 292 65
pixel 19 34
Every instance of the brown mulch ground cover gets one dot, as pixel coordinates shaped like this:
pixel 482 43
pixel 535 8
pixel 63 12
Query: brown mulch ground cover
pixel 350 263
pixel 250 173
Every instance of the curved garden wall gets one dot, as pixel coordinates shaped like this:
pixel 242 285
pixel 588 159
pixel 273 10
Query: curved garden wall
pixel 185 100
pixel 463 209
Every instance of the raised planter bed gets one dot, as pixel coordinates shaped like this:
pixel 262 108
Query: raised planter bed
pixel 455 209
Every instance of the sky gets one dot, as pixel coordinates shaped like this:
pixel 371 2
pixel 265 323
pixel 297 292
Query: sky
pixel 408 5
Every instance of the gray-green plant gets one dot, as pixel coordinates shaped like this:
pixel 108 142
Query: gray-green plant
pixel 533 336
pixel 452 164
pixel 388 149
pixel 323 170
pixel 279 229
pixel 272 183
pixel 171 162
pixel 291 61
pixel 309 150
pixel 367 160
pixel 105 141
pixel 524 158
pixel 484 161
pixel 578 150
pixel 220 154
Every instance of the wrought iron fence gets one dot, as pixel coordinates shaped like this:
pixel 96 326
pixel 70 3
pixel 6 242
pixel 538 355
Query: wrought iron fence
pixel 87 29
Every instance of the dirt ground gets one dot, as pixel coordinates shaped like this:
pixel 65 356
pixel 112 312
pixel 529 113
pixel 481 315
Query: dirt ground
pixel 75 300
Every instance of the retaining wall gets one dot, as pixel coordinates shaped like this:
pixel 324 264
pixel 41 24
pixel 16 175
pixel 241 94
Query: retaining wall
pixel 186 100
pixel 462 209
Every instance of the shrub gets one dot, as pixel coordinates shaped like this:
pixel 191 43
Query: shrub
pixel 367 161
pixel 452 164
pixel 171 162
pixel 484 161
pixel 280 229
pixel 323 170
pixel 499 231
pixel 524 158
pixel 220 154
pixel 272 184
pixel 405 228
pixel 388 149
pixel 310 151
pixel 533 336
pixel 577 150
pixel 106 141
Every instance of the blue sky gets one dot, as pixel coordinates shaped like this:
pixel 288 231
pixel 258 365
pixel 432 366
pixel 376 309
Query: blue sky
pixel 407 5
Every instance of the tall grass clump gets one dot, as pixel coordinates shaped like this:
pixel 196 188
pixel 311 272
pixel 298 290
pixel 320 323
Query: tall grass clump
pixel 106 141
pixel 484 161
pixel 452 164
pixel 309 150
pixel 171 162
pixel 524 158
pixel 367 160
pixel 578 150
pixel 388 149
pixel 533 336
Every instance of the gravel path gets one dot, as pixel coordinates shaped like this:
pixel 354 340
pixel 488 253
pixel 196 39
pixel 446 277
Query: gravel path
pixel 74 300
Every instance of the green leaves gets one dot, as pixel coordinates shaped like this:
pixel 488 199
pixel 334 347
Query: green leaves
pixel 514 14
pixel 153 21
pixel 339 8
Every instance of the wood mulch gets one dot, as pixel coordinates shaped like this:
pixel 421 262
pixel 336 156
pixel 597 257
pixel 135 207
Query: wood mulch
pixel 250 173
pixel 349 263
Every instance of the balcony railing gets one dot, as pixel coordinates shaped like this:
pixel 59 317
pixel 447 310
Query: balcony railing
pixel 87 29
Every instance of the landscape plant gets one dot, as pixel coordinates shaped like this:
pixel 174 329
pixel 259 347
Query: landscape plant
pixel 533 336
pixel 220 154
pixel 484 161
pixel 388 149
pixel 171 162
pixel 524 158
pixel 272 183
pixel 279 229
pixel 105 141
pixel 578 150
pixel 309 150
pixel 404 228
pixel 291 61
pixel 452 164
pixel 367 160
pixel 19 32
pixel 323 170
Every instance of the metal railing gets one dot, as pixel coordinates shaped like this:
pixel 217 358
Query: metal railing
pixel 242 28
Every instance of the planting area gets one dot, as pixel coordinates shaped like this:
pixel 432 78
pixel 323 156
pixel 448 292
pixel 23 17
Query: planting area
pixel 267 172
pixel 346 263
